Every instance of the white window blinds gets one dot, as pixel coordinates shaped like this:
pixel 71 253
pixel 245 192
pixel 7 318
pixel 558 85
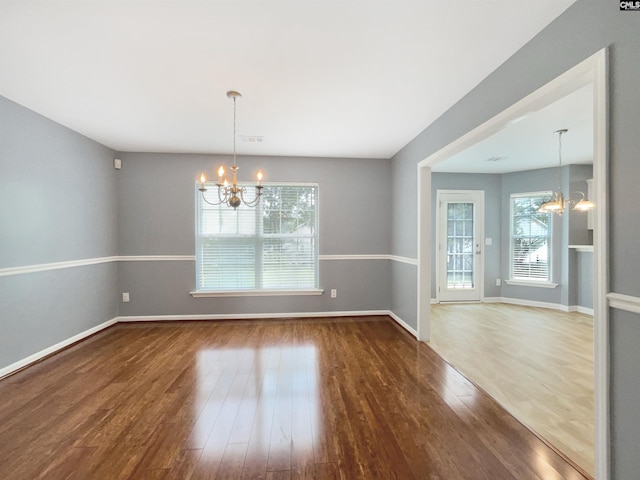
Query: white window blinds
pixel 273 246
pixel 530 238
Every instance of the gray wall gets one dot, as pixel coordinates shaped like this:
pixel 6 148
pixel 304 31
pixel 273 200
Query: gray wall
pixel 156 195
pixel 57 203
pixel 585 28
pixel 584 278
pixel 578 227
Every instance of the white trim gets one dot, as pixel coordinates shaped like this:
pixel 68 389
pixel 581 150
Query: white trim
pixel 54 348
pixel 598 65
pixel 248 316
pixel 258 293
pixel 581 309
pixel 407 260
pixel 44 267
pixel 266 316
pixel 582 248
pixel 533 303
pixel 531 283
pixel 353 257
pixel 395 258
pixel 157 258
pixel 158 318
pixel 492 300
pixel 594 69
pixel 403 324
pixel 624 302
pixel 530 303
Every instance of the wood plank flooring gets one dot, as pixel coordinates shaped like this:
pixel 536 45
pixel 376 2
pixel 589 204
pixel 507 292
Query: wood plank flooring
pixel 537 363
pixel 273 399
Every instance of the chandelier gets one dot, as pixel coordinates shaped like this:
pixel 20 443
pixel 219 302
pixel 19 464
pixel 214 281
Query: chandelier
pixel 230 193
pixel 557 203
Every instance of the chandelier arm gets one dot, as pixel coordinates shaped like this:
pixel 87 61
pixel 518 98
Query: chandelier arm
pixel 255 201
pixel 220 197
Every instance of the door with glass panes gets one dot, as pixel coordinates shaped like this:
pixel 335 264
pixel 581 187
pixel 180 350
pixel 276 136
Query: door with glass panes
pixel 459 245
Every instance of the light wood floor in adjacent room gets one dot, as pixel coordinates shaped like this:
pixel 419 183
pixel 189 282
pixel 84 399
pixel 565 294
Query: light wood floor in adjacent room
pixel 537 363
pixel 272 399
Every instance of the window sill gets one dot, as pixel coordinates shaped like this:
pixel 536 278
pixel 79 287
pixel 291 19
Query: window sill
pixel 257 293
pixel 525 283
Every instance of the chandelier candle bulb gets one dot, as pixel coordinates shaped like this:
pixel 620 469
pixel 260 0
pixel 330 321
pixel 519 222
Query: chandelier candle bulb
pixel 259 175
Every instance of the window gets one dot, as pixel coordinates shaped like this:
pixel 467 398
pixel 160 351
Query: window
pixel 530 238
pixel 273 246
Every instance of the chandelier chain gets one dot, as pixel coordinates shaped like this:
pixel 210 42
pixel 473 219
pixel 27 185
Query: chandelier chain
pixel 234 131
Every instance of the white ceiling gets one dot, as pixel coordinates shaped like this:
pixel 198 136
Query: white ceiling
pixel 332 78
pixel 529 141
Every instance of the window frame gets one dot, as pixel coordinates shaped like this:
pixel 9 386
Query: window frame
pixel 258 238
pixel 535 282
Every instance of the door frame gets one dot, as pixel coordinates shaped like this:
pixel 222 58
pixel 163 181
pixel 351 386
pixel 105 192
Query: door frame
pixel 477 197
pixel 594 69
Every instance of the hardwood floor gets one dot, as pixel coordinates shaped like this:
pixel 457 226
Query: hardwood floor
pixel 273 399
pixel 537 363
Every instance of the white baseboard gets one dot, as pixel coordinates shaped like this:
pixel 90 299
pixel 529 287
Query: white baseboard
pixel 552 306
pixel 54 348
pixel 532 303
pixel 403 324
pixel 492 300
pixel 248 316
pixel 159 318
pixel 581 309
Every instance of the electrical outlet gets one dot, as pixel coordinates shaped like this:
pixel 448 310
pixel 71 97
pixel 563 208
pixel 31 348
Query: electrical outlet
pixel 334 293
pixel 125 297
pixel 498 282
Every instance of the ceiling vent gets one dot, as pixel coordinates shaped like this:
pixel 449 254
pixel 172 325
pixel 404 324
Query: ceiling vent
pixel 496 159
pixel 251 138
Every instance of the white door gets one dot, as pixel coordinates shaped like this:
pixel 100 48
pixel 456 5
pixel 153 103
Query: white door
pixel 460 221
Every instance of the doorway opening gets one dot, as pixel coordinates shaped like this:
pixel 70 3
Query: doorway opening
pixel 594 70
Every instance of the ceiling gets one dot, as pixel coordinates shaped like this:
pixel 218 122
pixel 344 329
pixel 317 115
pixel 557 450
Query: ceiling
pixel 333 78
pixel 529 142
